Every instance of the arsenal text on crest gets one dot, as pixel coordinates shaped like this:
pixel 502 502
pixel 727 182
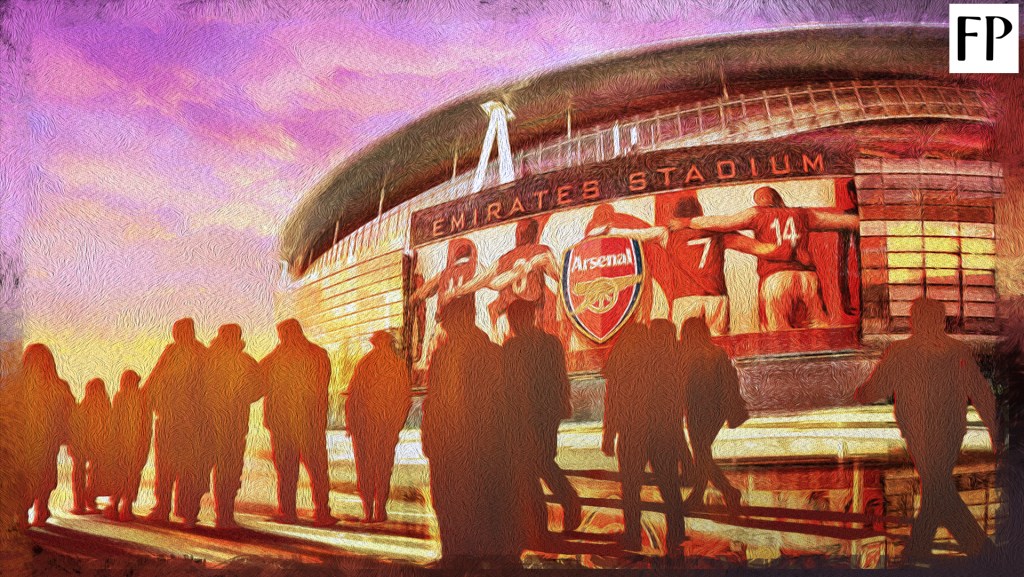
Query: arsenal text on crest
pixel 603 261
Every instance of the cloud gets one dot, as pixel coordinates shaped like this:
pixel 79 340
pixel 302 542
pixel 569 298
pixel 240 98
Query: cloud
pixel 108 272
pixel 241 216
pixel 138 178
pixel 344 63
pixel 61 73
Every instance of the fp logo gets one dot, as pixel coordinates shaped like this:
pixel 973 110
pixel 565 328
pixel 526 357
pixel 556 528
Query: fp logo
pixel 601 281
pixel 984 38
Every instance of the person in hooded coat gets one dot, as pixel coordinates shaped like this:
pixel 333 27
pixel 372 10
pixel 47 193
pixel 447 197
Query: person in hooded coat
pixel 377 406
pixel 48 408
pixel 90 448
pixel 297 374
pixel 233 382
pixel 174 391
pixel 712 400
pixel 131 428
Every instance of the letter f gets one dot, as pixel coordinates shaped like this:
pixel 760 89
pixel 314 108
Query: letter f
pixel 962 34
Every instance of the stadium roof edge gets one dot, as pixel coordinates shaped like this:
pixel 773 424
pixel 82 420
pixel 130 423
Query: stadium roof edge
pixel 419 156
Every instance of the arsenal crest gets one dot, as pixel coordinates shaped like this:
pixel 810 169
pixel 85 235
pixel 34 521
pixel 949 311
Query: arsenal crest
pixel 601 281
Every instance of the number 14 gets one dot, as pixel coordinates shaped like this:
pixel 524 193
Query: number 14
pixel 785 233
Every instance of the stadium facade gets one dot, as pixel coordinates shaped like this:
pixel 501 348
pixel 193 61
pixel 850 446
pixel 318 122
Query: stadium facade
pixel 585 209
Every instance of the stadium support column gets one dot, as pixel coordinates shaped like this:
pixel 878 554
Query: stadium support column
pixel 497 129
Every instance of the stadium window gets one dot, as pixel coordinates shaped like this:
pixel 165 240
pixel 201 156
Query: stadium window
pixel 949 261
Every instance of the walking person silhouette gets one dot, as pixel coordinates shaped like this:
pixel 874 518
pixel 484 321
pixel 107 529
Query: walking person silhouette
pixel 48 407
pixel 234 383
pixel 172 392
pixel 90 448
pixel 932 378
pixel 712 400
pixel 644 423
pixel 1009 374
pixel 538 382
pixel 465 436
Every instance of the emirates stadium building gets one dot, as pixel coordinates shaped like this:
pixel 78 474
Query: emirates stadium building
pixel 796 189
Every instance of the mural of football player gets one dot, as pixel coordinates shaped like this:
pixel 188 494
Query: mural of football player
pixel 788 279
pixel 520 274
pixel 692 274
pixel 459 270
pixel 606 219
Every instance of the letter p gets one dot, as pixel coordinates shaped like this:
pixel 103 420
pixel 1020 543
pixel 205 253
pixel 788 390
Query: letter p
pixel 990 40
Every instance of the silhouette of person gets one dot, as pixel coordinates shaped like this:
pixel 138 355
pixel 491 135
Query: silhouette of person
pixel 297 373
pixel 1009 372
pixel 49 406
pixel 12 482
pixel 712 399
pixel 377 406
pixel 536 378
pixel 180 430
pixel 932 377
pixel 644 423
pixel 131 428
pixel 90 448
pixel 233 382
pixel 465 437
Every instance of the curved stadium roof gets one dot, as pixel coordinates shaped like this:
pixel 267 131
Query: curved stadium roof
pixel 420 155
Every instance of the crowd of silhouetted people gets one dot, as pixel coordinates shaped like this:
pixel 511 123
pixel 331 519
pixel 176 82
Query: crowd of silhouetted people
pixel 194 406
pixel 490 426
pixel 491 415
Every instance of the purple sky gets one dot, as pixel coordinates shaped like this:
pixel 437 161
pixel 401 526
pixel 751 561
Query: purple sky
pixel 160 145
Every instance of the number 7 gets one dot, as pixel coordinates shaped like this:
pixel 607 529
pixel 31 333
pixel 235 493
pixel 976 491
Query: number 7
pixel 706 241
